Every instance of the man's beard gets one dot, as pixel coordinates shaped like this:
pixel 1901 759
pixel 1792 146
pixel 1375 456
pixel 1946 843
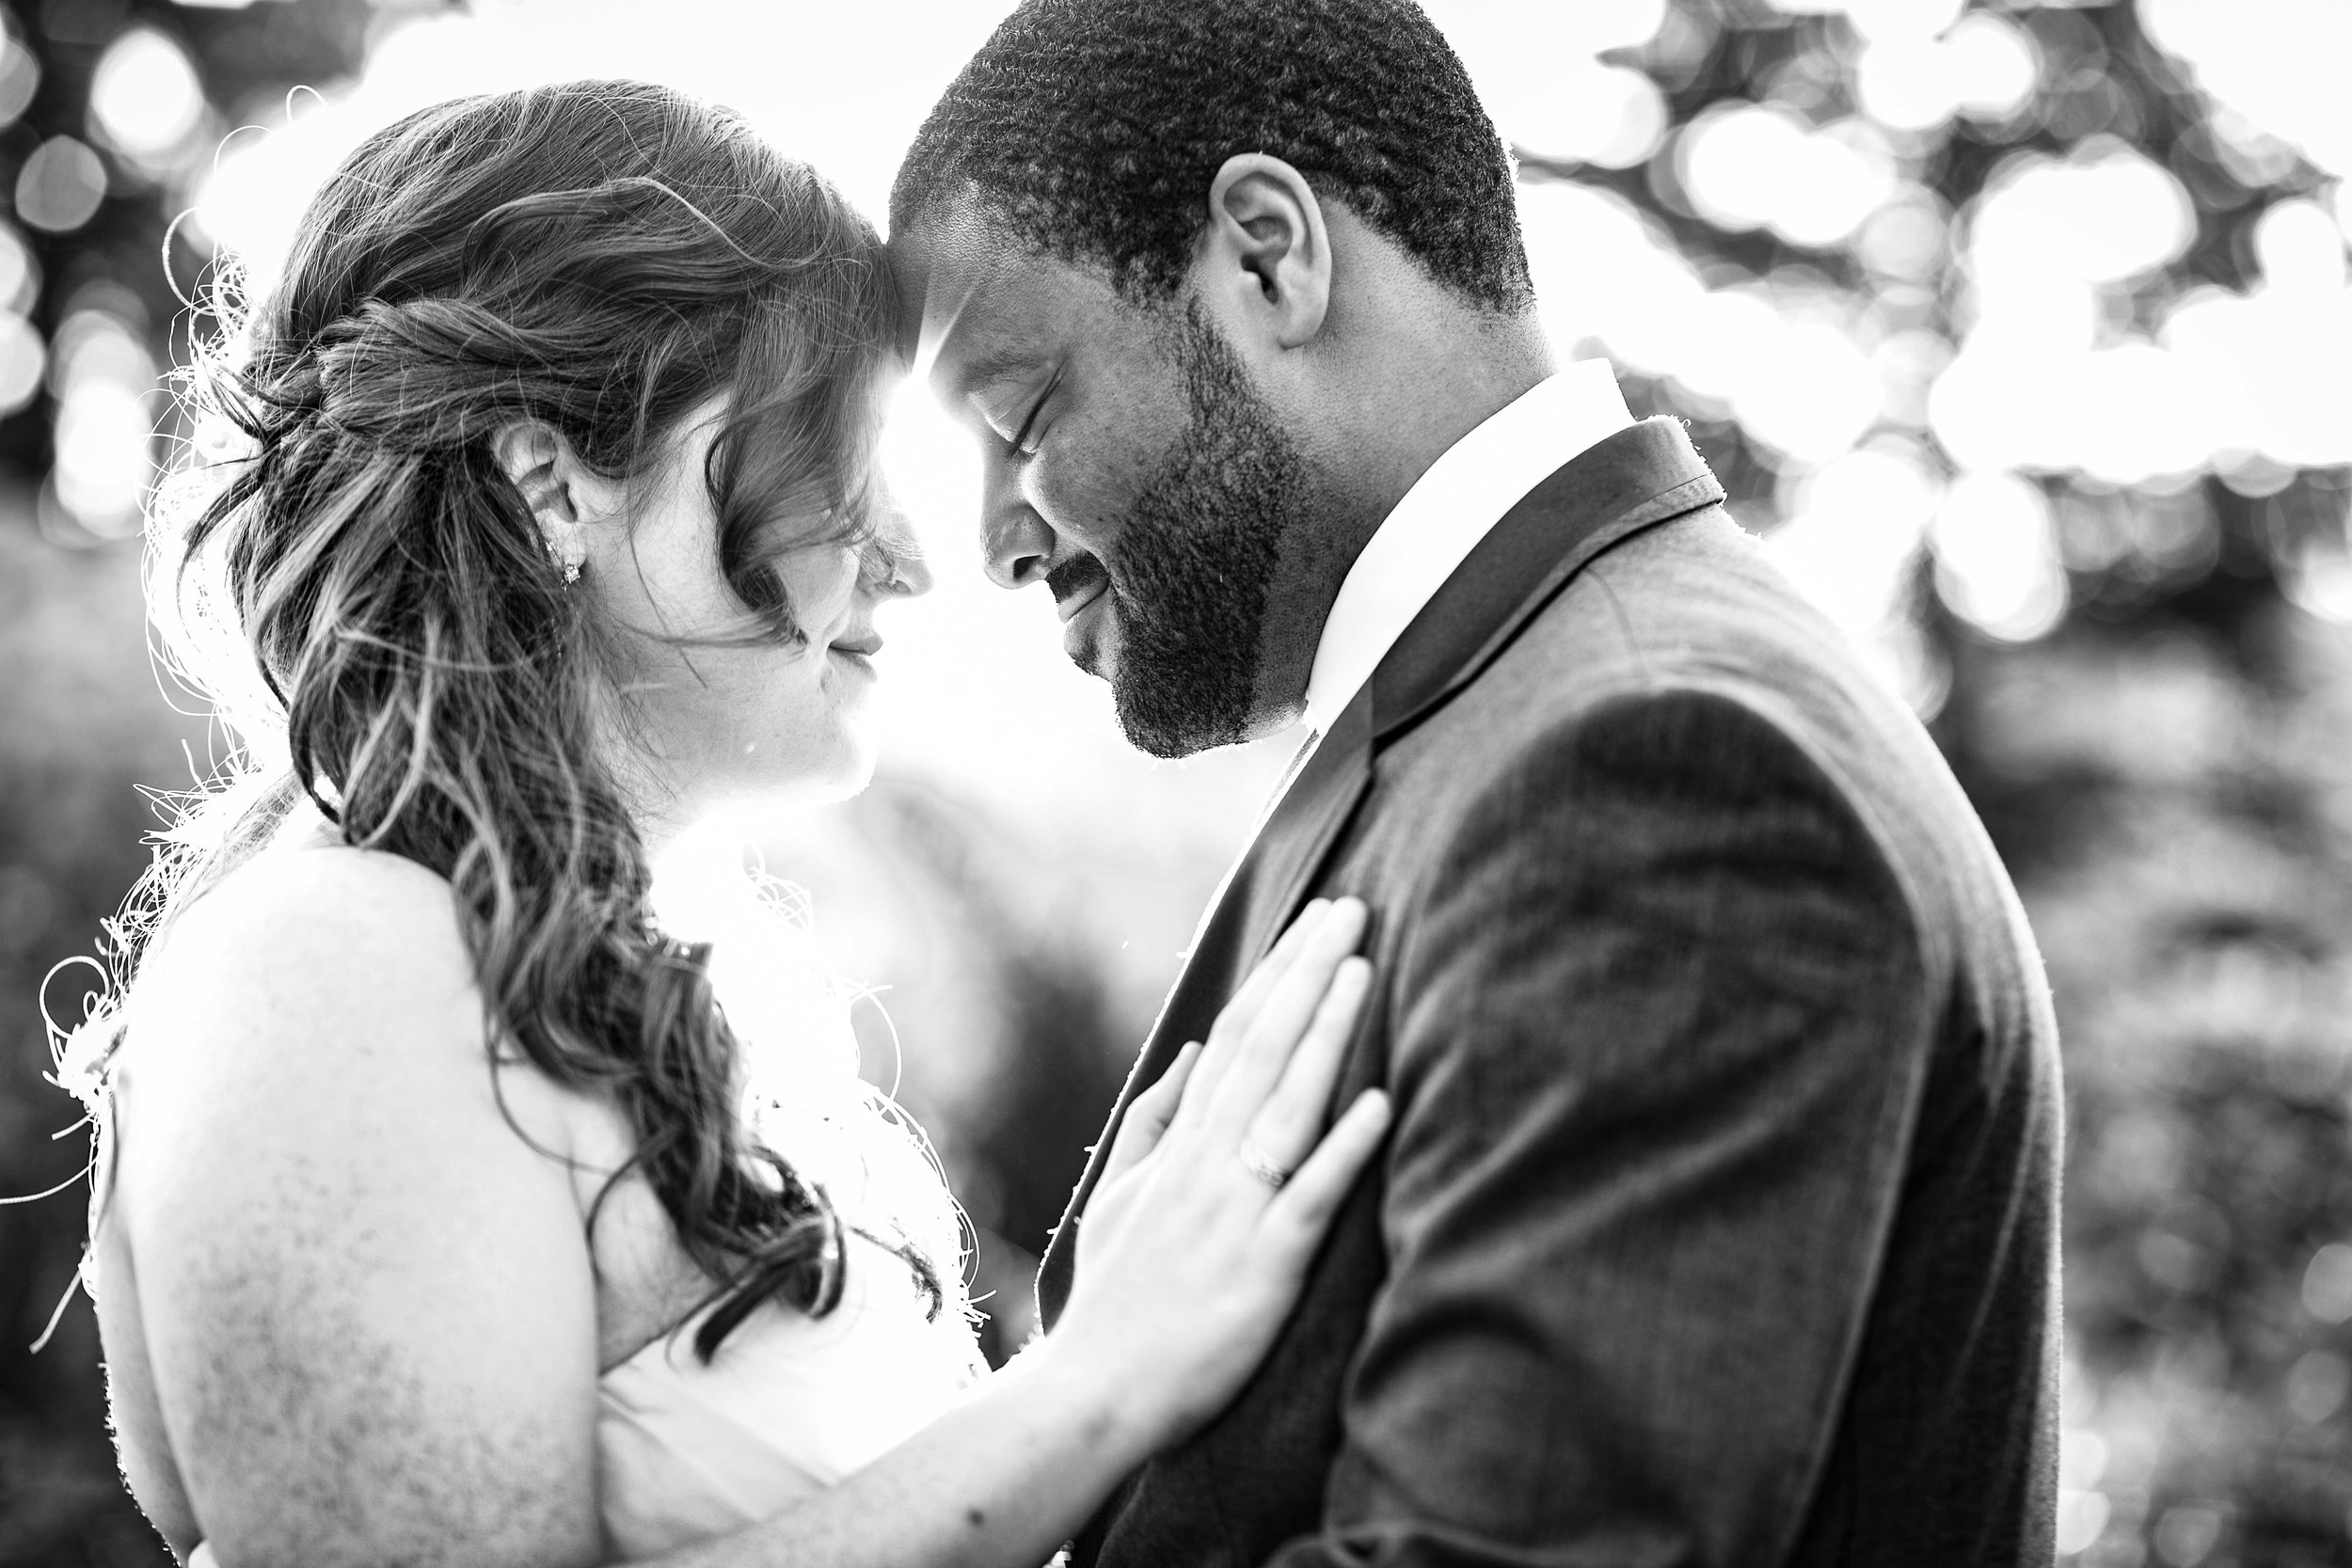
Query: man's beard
pixel 1198 555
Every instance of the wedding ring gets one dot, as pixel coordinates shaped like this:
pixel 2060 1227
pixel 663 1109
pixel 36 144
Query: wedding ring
pixel 1258 1163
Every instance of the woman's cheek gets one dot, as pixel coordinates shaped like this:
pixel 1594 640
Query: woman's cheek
pixel 816 584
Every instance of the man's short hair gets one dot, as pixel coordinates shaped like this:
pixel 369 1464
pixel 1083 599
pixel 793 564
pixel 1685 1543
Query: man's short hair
pixel 1092 128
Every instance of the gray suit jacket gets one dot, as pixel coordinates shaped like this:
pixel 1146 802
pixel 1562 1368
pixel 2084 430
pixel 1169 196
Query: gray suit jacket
pixel 1719 1221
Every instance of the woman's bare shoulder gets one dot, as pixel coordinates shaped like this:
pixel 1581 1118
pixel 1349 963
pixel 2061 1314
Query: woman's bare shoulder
pixel 347 1260
pixel 312 1001
pixel 321 924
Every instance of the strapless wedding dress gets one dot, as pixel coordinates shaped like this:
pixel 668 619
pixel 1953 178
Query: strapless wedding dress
pixel 787 1406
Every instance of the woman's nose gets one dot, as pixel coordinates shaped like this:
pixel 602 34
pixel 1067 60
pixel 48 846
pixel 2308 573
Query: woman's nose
pixel 915 568
pixel 896 556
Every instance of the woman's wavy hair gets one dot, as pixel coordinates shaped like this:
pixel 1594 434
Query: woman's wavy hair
pixel 604 256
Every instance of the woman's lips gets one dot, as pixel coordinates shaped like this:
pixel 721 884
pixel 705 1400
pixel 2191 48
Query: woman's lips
pixel 857 651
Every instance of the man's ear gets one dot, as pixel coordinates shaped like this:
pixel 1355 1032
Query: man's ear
pixel 1266 252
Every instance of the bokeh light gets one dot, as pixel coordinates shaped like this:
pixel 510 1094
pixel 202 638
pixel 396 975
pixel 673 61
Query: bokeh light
pixel 1539 74
pixel 1912 79
pixel 2105 214
pixel 1996 560
pixel 1852 526
pixel 2278 63
pixel 1882 19
pixel 1758 166
pixel 19 77
pixel 1993 65
pixel 145 99
pixel 105 381
pixel 1610 116
pixel 20 271
pixel 22 358
pixel 60 185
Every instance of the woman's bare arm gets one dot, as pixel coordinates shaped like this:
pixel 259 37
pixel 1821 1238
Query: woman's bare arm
pixel 1189 1273
pixel 369 1309
pixel 366 1302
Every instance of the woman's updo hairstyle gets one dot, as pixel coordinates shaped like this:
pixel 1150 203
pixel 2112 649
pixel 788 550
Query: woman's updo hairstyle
pixel 604 256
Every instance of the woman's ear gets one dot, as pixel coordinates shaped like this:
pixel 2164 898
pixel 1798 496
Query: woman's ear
pixel 564 496
pixel 1266 250
pixel 535 459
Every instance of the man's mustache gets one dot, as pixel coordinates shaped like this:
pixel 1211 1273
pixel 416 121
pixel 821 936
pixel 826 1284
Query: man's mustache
pixel 1079 575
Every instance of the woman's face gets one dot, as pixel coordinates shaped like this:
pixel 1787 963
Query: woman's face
pixel 707 711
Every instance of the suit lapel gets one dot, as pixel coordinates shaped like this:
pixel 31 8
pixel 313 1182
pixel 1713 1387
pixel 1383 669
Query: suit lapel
pixel 1302 828
pixel 1307 817
pixel 1642 476
pixel 1639 477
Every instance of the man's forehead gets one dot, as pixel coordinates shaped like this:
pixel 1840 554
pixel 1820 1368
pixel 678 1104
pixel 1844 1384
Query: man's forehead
pixel 977 301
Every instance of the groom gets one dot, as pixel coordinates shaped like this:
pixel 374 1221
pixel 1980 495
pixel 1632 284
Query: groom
pixel 1719 1220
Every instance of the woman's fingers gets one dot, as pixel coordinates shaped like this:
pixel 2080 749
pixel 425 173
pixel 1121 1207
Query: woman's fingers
pixel 1283 1018
pixel 1149 1114
pixel 1315 1191
pixel 1284 1128
pixel 1231 1029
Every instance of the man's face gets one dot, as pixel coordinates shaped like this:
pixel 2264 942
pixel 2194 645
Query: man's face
pixel 1131 464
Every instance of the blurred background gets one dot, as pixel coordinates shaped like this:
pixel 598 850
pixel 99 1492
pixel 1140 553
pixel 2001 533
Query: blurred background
pixel 2022 331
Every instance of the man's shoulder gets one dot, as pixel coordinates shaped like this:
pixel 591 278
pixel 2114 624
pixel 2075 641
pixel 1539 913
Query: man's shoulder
pixel 1696 593
pixel 1692 616
pixel 1688 636
pixel 1692 605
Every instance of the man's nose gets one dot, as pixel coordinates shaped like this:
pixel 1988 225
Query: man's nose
pixel 1018 543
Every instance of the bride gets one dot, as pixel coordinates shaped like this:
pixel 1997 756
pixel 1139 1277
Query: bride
pixel 440 1217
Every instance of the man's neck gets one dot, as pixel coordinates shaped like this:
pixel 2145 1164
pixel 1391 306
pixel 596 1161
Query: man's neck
pixel 1423 393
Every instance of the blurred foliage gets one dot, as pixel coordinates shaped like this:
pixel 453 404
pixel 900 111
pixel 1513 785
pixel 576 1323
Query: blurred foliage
pixel 2163 764
pixel 83 731
pixel 2167 774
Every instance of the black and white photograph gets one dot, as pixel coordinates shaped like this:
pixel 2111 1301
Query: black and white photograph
pixel 1176 783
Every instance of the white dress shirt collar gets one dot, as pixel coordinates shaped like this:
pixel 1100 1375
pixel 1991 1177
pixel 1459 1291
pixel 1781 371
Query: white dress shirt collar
pixel 1456 501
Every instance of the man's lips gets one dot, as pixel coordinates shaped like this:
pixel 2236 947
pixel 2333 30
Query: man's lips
pixel 1068 609
pixel 1075 584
